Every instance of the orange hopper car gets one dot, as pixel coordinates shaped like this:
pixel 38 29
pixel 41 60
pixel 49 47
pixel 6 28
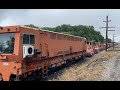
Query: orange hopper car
pixel 30 53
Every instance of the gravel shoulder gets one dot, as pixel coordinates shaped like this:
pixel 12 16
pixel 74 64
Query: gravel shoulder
pixel 111 73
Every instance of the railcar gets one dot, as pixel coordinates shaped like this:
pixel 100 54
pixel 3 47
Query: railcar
pixel 29 53
pixel 90 49
pixel 97 47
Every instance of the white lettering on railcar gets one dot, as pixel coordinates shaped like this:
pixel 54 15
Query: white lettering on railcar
pixel 5 63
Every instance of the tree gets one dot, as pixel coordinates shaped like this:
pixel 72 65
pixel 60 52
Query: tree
pixel 1 46
pixel 32 26
pixel 10 44
pixel 109 40
pixel 88 32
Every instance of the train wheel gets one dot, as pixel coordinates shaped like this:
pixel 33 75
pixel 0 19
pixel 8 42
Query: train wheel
pixel 37 75
pixel 63 65
pixel 1 78
pixel 52 68
pixel 24 77
pixel 40 74
pixel 12 77
pixel 82 57
pixel 45 75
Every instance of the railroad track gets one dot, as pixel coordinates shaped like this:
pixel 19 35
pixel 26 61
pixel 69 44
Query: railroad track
pixel 59 70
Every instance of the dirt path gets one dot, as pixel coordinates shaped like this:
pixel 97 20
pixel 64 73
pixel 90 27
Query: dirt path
pixel 102 66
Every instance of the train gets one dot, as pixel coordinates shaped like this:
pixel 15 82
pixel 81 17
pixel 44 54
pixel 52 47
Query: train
pixel 92 49
pixel 30 53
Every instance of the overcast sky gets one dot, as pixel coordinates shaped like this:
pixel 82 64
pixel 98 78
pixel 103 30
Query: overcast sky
pixel 55 17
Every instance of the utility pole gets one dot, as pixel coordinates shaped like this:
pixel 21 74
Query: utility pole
pixel 113 41
pixel 107 20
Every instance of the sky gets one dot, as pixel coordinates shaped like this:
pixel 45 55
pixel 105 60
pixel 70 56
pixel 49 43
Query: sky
pixel 55 17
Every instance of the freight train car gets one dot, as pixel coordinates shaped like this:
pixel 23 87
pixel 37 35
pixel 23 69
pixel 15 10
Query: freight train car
pixel 30 53
pixel 90 49
pixel 97 47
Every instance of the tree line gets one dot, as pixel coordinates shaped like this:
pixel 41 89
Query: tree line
pixel 88 32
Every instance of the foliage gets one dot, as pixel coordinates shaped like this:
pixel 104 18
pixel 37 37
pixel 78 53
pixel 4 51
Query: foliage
pixel 1 46
pixel 31 25
pixel 78 30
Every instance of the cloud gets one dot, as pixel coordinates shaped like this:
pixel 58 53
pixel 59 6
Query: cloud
pixel 55 17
